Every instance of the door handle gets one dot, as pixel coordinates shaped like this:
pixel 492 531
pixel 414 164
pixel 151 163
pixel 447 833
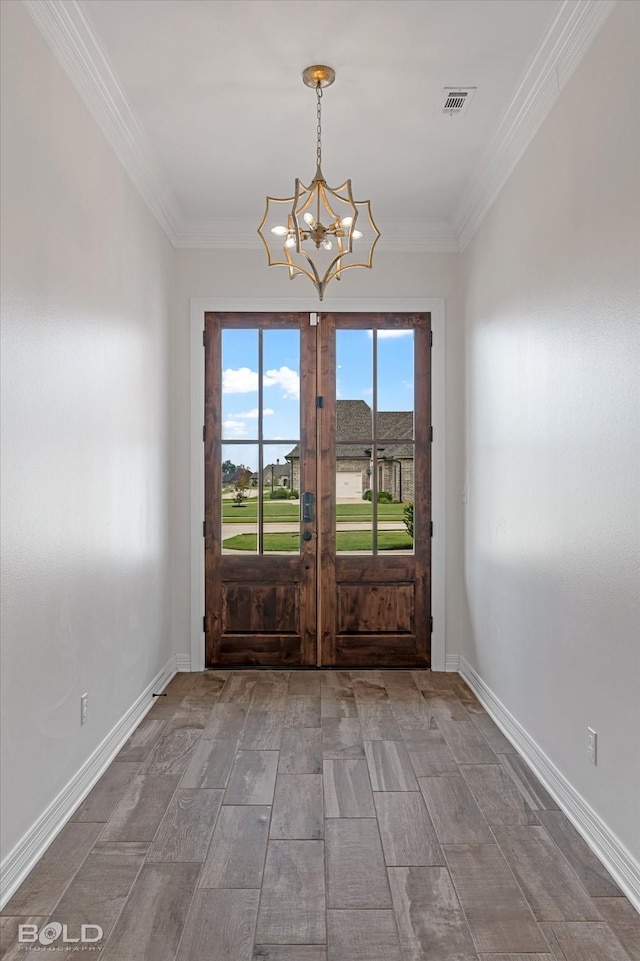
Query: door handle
pixel 307 507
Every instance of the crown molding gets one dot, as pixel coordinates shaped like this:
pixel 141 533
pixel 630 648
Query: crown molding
pixel 73 41
pixel 430 237
pixel 567 40
pixel 398 236
pixel 220 235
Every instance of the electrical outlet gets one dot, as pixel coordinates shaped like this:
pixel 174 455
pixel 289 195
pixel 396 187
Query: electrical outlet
pixel 592 745
pixel 83 708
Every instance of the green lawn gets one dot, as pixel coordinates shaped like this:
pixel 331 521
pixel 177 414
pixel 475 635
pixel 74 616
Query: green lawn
pixel 345 541
pixel 290 511
pixel 362 511
pixel 272 511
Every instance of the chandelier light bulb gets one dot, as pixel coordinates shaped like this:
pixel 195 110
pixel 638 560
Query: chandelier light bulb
pixel 308 219
pixel 280 231
pixel 356 234
pixel 290 242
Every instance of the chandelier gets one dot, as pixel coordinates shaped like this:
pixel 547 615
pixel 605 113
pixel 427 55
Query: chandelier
pixel 314 232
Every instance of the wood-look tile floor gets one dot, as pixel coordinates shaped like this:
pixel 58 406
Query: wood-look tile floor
pixel 335 816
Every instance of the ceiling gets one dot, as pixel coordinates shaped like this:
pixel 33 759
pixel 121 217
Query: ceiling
pixel 204 101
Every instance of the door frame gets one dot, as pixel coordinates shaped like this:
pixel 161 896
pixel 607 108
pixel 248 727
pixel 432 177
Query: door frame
pixel 194 661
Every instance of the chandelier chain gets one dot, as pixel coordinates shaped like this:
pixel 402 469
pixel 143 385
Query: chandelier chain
pixel 319 124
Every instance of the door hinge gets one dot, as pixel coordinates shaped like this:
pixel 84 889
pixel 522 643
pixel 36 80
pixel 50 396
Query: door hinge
pixel 204 434
pixel 431 529
pixel 432 435
pixel 430 338
pixel 204 528
pixel 204 624
pixel 431 625
pixel 204 334
pixel 319 401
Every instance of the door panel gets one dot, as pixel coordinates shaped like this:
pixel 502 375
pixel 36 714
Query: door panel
pixel 375 603
pixel 259 596
pixel 346 586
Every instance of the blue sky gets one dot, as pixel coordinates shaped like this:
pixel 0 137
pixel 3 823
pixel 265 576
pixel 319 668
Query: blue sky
pixel 281 383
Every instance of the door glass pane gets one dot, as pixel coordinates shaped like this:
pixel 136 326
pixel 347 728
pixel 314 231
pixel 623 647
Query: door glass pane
pixel 395 500
pixel 354 385
pixel 281 384
pixel 353 510
pixel 240 384
pixel 281 421
pixel 281 504
pixel 239 498
pixel 395 384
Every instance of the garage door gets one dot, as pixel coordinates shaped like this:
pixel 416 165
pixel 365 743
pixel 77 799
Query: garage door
pixel 349 484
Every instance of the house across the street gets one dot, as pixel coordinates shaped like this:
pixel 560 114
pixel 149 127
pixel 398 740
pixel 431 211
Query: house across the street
pixel 355 459
pixel 277 475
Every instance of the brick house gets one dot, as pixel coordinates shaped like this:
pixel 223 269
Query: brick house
pixel 355 461
pixel 277 475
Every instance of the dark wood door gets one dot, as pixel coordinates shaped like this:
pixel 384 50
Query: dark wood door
pixel 375 599
pixel 337 413
pixel 260 596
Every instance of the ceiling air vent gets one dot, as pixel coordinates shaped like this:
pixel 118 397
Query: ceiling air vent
pixel 457 99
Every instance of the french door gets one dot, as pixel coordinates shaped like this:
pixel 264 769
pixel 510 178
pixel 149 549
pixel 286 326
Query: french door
pixel 317 490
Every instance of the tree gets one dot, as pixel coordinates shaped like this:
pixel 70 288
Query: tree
pixel 243 481
pixel 229 472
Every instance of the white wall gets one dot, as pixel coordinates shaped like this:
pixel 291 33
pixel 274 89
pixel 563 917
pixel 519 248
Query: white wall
pixel 87 292
pixel 551 306
pixel 245 274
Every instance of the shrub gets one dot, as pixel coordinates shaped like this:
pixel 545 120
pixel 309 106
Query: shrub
pixel 384 497
pixel 279 494
pixel 408 519
pixel 283 494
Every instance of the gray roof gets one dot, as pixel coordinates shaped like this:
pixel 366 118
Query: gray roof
pixel 354 423
pixel 353 420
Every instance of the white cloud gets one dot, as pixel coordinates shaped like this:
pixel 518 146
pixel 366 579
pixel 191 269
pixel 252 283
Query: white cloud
pixel 244 381
pixel 253 414
pixel 386 334
pixel 234 428
pixel 285 378
pixel 241 381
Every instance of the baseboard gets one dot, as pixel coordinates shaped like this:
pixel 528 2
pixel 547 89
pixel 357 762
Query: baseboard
pixel 620 863
pixel 35 842
pixel 183 662
pixel 452 663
